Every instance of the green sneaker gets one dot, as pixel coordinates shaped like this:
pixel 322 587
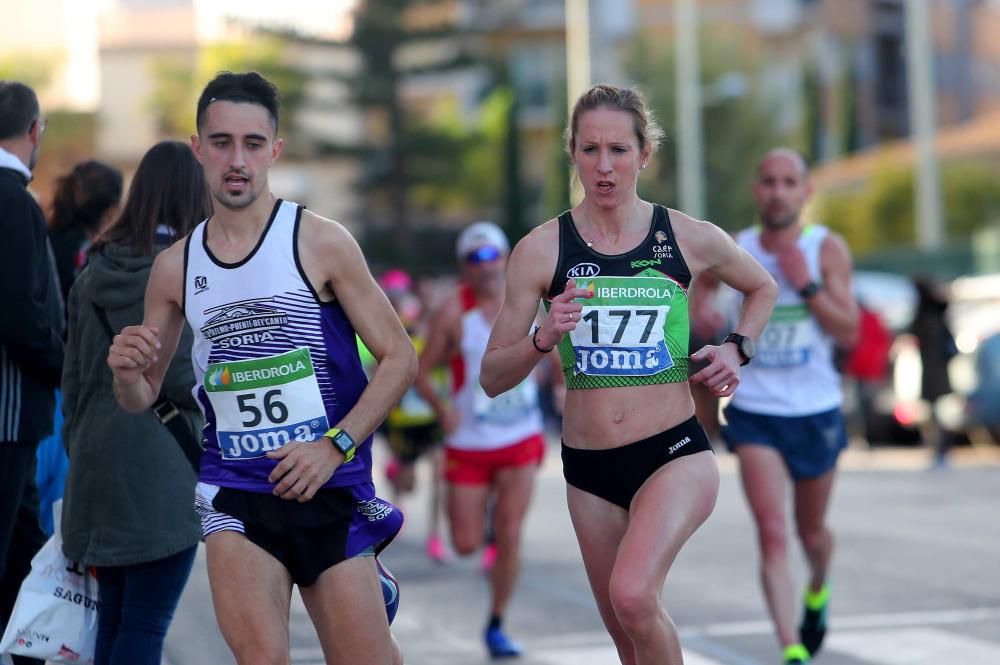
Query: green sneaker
pixel 796 654
pixel 813 628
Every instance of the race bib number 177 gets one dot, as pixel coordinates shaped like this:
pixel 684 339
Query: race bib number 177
pixel 621 328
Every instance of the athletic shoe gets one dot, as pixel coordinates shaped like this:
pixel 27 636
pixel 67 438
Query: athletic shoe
pixel 796 654
pixel 489 558
pixel 392 469
pixel 436 549
pixel 390 590
pixel 813 628
pixel 501 646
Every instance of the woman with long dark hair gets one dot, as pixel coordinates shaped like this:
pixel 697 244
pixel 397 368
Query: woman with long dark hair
pixel 128 508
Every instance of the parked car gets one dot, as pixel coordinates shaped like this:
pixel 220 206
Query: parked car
pixel 984 400
pixel 975 321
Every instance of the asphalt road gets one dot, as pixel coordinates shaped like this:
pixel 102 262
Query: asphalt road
pixel 916 579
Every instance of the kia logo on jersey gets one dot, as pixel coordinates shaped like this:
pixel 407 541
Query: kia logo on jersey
pixel 584 270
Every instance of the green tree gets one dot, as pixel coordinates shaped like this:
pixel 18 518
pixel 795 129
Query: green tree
pixel 880 214
pixel 456 167
pixel 400 153
pixel 31 68
pixel 556 192
pixel 737 121
pixel 179 80
pixel 812 110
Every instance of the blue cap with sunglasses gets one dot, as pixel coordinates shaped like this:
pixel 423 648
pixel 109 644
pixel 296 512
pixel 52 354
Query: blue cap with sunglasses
pixel 481 242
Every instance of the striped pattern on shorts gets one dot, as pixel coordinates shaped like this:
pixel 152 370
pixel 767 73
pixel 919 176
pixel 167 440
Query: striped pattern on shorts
pixel 212 521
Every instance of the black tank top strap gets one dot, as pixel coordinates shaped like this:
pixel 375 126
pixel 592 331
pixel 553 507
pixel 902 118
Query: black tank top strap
pixel 569 246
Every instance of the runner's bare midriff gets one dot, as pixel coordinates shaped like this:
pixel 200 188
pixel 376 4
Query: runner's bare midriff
pixel 612 417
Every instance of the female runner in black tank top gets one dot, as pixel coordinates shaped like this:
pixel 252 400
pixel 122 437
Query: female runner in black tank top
pixel 613 274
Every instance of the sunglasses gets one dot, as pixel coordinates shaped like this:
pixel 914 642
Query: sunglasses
pixel 484 254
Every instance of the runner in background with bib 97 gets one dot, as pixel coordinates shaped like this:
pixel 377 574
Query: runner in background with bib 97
pixel 786 419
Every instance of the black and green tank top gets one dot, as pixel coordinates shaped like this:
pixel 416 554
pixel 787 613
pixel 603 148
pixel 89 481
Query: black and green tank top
pixel 634 330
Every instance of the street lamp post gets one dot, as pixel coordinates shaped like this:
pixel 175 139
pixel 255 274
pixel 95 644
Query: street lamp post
pixel 577 66
pixel 920 80
pixel 690 162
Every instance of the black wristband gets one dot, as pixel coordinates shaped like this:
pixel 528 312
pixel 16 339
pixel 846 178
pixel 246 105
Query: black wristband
pixel 534 342
pixel 809 290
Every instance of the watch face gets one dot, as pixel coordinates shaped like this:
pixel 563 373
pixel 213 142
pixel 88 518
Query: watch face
pixel 747 348
pixel 343 442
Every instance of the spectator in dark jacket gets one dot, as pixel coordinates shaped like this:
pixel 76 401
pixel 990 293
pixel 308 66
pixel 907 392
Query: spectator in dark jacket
pixel 31 347
pixel 937 347
pixel 129 503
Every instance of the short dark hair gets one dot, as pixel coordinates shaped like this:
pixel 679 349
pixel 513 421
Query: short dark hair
pixel 247 88
pixel 83 195
pixel 168 189
pixel 18 109
pixel 796 155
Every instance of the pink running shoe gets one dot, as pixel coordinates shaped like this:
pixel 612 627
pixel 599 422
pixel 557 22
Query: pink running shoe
pixel 489 558
pixel 392 469
pixel 436 550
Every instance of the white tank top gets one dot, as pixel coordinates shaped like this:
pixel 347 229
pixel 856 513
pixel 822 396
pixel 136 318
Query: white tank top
pixel 272 364
pixel 792 373
pixel 487 423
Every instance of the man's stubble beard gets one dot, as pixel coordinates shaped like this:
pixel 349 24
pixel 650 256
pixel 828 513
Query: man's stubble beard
pixel 226 203
pixel 780 222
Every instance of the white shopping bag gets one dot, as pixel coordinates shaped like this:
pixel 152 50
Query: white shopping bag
pixel 55 616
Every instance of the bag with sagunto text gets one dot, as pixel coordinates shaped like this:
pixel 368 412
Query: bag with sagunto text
pixel 55 616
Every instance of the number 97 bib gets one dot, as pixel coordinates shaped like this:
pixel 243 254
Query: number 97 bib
pixel 787 340
pixel 622 328
pixel 263 403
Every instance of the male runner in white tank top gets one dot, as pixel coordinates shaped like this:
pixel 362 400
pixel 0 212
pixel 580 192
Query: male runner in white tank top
pixel 492 445
pixel 275 295
pixel 785 422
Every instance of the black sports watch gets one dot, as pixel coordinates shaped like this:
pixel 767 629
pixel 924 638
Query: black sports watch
pixel 809 290
pixel 743 344
pixel 343 442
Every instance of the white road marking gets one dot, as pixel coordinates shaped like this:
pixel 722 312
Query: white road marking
pixel 692 658
pixel 903 638
pixel 603 656
pixel 884 620
pixel 913 646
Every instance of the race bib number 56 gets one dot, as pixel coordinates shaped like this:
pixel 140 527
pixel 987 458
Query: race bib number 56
pixel 263 403
pixel 621 328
